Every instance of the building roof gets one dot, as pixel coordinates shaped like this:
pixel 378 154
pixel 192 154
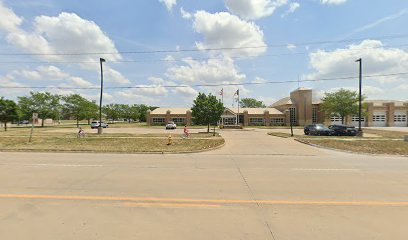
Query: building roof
pixel 257 111
pixel 283 101
pixel 163 111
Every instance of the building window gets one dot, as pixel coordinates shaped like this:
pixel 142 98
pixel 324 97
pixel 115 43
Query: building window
pixel 277 121
pixel 314 115
pixel 229 120
pixel 355 119
pixel 256 121
pixel 179 120
pixel 400 118
pixel 159 120
pixel 335 119
pixel 293 118
pixel 378 118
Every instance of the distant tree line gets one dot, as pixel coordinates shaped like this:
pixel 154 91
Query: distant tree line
pixel 74 107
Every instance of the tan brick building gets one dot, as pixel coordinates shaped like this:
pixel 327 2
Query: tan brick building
pixel 299 108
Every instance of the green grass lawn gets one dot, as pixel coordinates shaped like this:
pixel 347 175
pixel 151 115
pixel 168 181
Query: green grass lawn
pixel 385 142
pixel 17 139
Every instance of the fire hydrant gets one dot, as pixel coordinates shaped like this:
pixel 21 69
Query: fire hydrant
pixel 169 138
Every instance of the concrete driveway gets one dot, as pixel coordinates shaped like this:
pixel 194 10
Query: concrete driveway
pixel 256 187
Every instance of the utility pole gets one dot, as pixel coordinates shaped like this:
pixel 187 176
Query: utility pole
pixel 101 60
pixel 360 133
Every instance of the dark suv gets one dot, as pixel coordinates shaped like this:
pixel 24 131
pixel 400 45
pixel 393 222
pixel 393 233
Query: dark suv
pixel 343 130
pixel 317 129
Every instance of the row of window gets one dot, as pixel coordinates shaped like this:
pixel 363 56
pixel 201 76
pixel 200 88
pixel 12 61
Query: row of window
pixel 261 121
pixel 376 118
pixel 163 120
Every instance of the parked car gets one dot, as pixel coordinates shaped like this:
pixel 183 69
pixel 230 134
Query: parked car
pixel 96 125
pixel 171 125
pixel 321 130
pixel 307 128
pixel 24 122
pixel 311 127
pixel 343 130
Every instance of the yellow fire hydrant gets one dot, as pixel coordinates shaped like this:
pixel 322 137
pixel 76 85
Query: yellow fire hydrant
pixel 169 143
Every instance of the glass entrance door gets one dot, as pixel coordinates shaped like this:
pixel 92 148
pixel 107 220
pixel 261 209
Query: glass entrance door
pixel 229 120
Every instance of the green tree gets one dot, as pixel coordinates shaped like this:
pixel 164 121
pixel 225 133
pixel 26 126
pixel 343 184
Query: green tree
pixel 341 103
pixel 207 110
pixel 79 108
pixel 91 111
pixel 143 111
pixel 113 111
pixel 8 111
pixel 251 103
pixel 130 112
pixel 47 105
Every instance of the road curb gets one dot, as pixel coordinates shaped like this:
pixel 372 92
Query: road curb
pixel 119 153
pixel 345 151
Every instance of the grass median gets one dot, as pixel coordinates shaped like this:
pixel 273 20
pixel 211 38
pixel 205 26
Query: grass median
pixel 384 142
pixel 43 140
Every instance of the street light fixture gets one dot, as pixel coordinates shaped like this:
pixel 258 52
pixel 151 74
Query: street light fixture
pixel 101 60
pixel 360 133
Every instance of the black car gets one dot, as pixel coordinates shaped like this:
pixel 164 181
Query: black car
pixel 320 130
pixel 343 130
pixel 307 128
pixel 311 127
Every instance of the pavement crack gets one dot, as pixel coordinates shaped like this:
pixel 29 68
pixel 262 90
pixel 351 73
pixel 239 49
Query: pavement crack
pixel 252 195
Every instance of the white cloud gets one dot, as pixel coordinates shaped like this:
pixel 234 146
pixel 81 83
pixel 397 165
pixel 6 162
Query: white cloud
pixel 223 30
pixel 41 73
pixel 184 14
pixel 292 8
pixel 371 92
pixel 185 91
pixel 291 46
pixel 80 82
pixel 210 71
pixel 156 90
pixel 169 3
pixel 377 60
pixel 65 33
pixel 254 9
pixel 258 80
pixel 9 20
pixel 132 97
pixel 111 75
pixel 52 73
pixel 332 2
pixel 168 58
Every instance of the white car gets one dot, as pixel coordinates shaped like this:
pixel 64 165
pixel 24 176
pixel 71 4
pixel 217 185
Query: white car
pixel 95 125
pixel 171 125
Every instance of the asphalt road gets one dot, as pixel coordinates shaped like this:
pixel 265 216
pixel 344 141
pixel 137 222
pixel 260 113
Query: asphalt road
pixel 255 187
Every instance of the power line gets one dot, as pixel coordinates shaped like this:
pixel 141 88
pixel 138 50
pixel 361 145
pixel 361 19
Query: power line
pixel 207 85
pixel 195 59
pixel 206 49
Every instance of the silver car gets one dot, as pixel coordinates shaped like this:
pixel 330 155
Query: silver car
pixel 171 125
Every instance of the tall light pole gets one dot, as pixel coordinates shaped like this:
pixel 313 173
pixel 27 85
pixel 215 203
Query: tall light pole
pixel 359 95
pixel 101 60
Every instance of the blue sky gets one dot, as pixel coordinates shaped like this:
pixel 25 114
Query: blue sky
pixel 272 41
